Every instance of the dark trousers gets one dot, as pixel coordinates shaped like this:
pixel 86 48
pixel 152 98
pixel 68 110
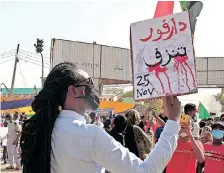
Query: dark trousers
pixel 5 155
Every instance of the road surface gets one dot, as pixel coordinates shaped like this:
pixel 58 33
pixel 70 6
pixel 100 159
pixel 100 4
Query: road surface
pixel 3 167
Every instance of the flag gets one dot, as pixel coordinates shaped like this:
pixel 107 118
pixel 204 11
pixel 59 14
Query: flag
pixel 164 8
pixel 194 8
pixel 203 113
pixel 183 5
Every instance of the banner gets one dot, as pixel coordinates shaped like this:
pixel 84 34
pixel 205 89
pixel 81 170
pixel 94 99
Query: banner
pixel 163 57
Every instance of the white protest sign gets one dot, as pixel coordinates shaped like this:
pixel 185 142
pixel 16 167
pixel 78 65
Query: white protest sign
pixel 163 57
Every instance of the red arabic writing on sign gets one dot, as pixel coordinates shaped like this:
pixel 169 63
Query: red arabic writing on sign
pixel 167 32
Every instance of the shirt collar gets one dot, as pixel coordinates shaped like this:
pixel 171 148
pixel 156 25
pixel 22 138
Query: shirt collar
pixel 71 114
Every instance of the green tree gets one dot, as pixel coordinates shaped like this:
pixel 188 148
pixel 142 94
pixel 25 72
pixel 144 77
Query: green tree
pixel 156 104
pixel 220 98
pixel 113 91
pixel 153 104
pixel 128 94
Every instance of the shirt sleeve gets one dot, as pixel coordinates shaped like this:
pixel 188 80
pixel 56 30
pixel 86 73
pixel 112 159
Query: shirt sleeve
pixel 115 158
pixel 17 128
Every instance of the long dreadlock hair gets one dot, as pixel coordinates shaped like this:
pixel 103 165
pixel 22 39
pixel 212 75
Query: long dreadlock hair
pixel 36 134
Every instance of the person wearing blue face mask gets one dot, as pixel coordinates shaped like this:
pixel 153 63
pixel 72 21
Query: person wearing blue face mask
pixel 214 152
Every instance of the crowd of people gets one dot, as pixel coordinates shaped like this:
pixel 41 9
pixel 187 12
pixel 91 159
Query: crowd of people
pixel 10 141
pixel 200 145
pixel 59 139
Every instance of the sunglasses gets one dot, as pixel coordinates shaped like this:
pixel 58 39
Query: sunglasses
pixel 88 81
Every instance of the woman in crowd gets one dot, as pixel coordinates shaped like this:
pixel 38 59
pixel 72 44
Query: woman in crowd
pixel 144 120
pixel 206 135
pixel 136 140
pixel 120 123
pixel 98 121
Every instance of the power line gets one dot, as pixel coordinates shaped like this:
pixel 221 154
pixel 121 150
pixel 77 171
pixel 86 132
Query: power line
pixel 24 80
pixel 7 61
pixel 33 59
pixel 7 56
pixel 9 52
pixel 33 54
pixel 25 60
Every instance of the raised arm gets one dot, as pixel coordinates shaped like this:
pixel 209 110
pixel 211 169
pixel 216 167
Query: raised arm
pixel 115 158
pixel 156 116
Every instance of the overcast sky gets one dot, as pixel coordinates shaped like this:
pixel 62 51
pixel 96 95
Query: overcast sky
pixel 106 22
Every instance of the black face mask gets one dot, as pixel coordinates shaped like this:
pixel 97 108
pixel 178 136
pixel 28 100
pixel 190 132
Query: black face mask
pixel 91 95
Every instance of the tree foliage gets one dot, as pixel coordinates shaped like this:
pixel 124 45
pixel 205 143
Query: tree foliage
pixel 153 104
pixel 220 98
pixel 113 90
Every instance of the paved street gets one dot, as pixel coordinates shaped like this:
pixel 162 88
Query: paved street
pixel 4 166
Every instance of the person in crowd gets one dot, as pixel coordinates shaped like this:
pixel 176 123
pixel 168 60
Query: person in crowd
pixel 210 119
pixel 118 131
pixel 92 116
pixel 5 153
pixel 214 151
pixel 191 110
pixel 155 123
pixel 107 125
pixel 12 142
pixel 4 145
pixel 202 124
pixel 87 118
pixel 161 120
pixel 222 117
pixel 189 151
pixel 98 121
pixel 16 117
pixel 112 117
pixel 23 117
pixel 209 123
pixel 206 135
pixel 61 142
pixel 144 120
pixel 136 140
pixel 159 130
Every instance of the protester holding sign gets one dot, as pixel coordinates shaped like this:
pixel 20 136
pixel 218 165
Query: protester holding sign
pixel 188 151
pixel 214 152
pixel 65 143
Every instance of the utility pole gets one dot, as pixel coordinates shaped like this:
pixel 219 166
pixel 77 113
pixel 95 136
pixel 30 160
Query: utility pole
pixel 39 49
pixel 14 70
pixel 42 78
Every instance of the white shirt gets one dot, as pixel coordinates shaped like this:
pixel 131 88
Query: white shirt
pixel 78 147
pixel 13 129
